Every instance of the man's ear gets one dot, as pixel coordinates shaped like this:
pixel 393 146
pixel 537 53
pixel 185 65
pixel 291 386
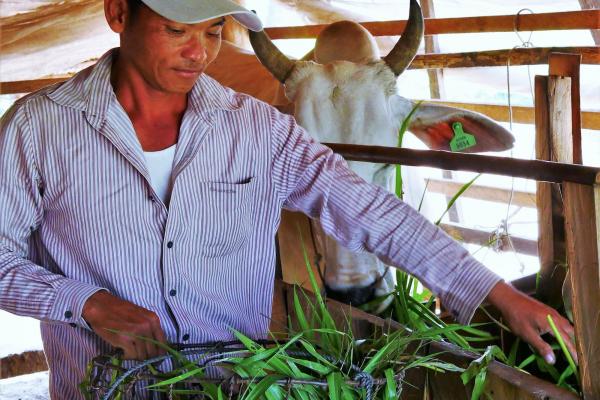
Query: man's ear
pixel 116 13
pixel 432 124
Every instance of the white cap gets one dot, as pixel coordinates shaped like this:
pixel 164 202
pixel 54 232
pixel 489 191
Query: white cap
pixel 194 11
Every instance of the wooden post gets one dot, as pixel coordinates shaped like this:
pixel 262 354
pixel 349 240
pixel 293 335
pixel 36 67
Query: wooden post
pixel 436 91
pixel 558 138
pixel 591 4
pixel 568 64
pixel 551 248
pixel 582 221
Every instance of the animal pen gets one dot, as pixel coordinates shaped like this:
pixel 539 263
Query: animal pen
pixel 567 196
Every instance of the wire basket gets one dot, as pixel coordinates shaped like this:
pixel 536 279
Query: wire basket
pixel 109 379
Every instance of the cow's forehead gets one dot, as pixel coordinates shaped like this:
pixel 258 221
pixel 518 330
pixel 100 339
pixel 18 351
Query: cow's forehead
pixel 312 79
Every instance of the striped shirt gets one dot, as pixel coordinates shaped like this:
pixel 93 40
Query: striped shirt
pixel 78 214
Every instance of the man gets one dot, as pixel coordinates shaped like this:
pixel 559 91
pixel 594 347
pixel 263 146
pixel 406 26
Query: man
pixel 141 196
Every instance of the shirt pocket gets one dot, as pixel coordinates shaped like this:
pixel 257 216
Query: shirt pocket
pixel 224 217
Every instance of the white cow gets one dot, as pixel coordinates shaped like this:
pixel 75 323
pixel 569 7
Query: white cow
pixel 348 94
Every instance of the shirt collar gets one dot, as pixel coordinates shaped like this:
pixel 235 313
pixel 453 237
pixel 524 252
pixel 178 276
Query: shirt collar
pixel 90 91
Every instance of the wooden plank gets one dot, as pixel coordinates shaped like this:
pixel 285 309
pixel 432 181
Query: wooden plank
pixel 530 169
pixel 503 382
pixel 436 76
pixel 476 236
pixel 588 19
pixel 526 56
pixel 582 204
pixel 487 193
pixel 21 364
pixel 568 65
pixel 499 58
pixel 28 86
pixel 520 115
pixel 592 4
pixel 551 241
pixel 294 230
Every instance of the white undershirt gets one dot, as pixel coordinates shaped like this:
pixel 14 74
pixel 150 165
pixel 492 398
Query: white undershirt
pixel 160 165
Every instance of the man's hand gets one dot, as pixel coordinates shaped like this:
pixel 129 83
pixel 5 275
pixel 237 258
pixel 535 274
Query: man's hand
pixel 527 318
pixel 103 311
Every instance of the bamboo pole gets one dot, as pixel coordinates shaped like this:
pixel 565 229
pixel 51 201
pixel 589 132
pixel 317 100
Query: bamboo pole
pixel 586 19
pixel 530 169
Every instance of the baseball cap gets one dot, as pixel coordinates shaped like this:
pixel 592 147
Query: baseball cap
pixel 194 11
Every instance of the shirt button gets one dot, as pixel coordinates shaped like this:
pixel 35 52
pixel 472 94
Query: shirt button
pixel 73 325
pixel 68 314
pixel 172 292
pixel 185 337
pixel 170 244
pixel 151 198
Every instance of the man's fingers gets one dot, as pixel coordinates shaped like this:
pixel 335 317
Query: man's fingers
pixel 541 346
pixel 159 336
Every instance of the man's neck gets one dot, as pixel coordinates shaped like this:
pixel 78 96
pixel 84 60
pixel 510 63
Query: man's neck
pixel 156 115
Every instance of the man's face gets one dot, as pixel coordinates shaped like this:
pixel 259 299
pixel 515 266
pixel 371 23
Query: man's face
pixel 170 56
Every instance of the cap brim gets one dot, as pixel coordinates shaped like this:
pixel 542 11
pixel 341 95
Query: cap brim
pixel 195 11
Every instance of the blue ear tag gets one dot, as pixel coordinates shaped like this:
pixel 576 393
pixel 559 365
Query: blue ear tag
pixel 461 139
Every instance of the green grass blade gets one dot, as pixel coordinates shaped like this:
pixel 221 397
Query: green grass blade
pixel 390 385
pixel 456 196
pixel 561 342
pixel 334 383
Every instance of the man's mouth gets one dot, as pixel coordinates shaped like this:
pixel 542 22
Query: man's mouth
pixel 188 72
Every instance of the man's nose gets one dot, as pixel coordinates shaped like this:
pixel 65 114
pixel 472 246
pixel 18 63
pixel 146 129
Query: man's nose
pixel 195 50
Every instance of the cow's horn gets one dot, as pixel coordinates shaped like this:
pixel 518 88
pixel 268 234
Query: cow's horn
pixel 269 55
pixel 405 50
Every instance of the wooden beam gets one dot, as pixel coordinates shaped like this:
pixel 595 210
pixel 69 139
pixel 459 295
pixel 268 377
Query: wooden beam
pixel 546 171
pixel 526 56
pixel 483 238
pixel 487 193
pixel 520 115
pixel 582 221
pixel 436 91
pixel 28 86
pixel 568 65
pixel 587 19
pixel 592 4
pixel 436 76
pixel 499 58
pixel 551 238
pixel 20 364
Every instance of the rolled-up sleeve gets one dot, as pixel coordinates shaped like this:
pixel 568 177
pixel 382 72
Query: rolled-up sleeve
pixel 26 288
pixel 311 179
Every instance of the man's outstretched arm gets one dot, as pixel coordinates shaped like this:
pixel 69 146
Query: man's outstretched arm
pixel 361 216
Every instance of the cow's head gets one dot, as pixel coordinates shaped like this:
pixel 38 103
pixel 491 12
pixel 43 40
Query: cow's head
pixel 348 94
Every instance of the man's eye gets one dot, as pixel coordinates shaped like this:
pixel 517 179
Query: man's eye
pixel 215 33
pixel 175 31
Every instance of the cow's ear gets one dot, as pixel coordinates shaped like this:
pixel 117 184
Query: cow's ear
pixel 433 124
